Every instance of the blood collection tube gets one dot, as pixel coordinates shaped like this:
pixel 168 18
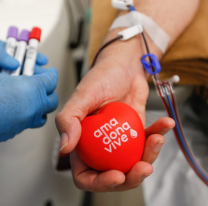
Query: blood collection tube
pixel 20 51
pixel 11 43
pixel 32 50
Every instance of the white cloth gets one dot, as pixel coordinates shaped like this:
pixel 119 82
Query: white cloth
pixel 173 182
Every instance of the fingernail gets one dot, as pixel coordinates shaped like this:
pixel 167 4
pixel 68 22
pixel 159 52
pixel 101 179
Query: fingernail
pixel 64 141
pixel 144 176
pixel 158 146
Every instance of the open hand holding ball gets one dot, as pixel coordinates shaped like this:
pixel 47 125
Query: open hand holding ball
pixel 113 139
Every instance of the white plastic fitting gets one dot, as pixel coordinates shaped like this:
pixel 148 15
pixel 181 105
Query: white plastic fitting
pixel 130 32
pixel 122 4
pixel 173 79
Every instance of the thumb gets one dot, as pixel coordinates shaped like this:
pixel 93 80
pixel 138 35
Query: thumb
pixel 68 121
pixel 7 61
pixel 86 99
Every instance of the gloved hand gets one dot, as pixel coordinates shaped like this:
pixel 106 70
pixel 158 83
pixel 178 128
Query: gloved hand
pixel 25 100
pixel 6 61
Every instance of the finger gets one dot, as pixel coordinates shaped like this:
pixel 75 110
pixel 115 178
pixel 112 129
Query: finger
pixel 161 126
pixel 39 70
pixel 2 45
pixel 52 103
pixel 41 59
pixel 91 180
pixel 43 120
pixel 49 79
pixel 152 148
pixel 6 61
pixel 80 104
pixel 135 177
pixel 39 123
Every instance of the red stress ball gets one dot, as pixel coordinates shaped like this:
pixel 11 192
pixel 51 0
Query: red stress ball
pixel 113 139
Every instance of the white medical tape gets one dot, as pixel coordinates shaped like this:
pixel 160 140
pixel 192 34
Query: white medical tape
pixel 158 35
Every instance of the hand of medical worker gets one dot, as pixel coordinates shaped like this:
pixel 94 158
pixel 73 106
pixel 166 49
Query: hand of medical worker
pixel 7 62
pixel 26 100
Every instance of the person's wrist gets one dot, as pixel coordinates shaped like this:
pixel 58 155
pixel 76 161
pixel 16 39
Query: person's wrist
pixel 127 54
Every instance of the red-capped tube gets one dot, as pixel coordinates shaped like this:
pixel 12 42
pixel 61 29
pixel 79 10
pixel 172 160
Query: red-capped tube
pixel 35 34
pixel 32 51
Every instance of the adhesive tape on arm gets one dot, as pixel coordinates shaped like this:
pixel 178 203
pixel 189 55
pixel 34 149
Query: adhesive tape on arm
pixel 157 34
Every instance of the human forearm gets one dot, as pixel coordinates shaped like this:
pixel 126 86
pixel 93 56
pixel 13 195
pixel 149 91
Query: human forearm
pixel 172 16
pixel 118 76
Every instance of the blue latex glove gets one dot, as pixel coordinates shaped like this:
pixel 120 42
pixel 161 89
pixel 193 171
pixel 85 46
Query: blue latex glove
pixel 9 63
pixel 25 100
pixel 6 61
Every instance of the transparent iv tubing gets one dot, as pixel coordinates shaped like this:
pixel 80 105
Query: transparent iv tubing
pixel 166 94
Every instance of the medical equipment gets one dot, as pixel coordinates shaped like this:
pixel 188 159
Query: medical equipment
pixel 32 51
pixel 130 32
pixel 11 44
pixel 160 38
pixel 122 5
pixel 7 62
pixel 123 35
pixel 26 100
pixel 166 93
pixel 20 51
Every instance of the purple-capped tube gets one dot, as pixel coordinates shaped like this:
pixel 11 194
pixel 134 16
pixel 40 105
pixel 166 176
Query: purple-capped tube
pixel 11 43
pixel 21 50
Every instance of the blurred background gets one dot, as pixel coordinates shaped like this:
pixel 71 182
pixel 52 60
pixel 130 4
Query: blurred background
pixel 27 173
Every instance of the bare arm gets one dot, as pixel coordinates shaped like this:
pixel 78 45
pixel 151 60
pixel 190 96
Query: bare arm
pixel 118 76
